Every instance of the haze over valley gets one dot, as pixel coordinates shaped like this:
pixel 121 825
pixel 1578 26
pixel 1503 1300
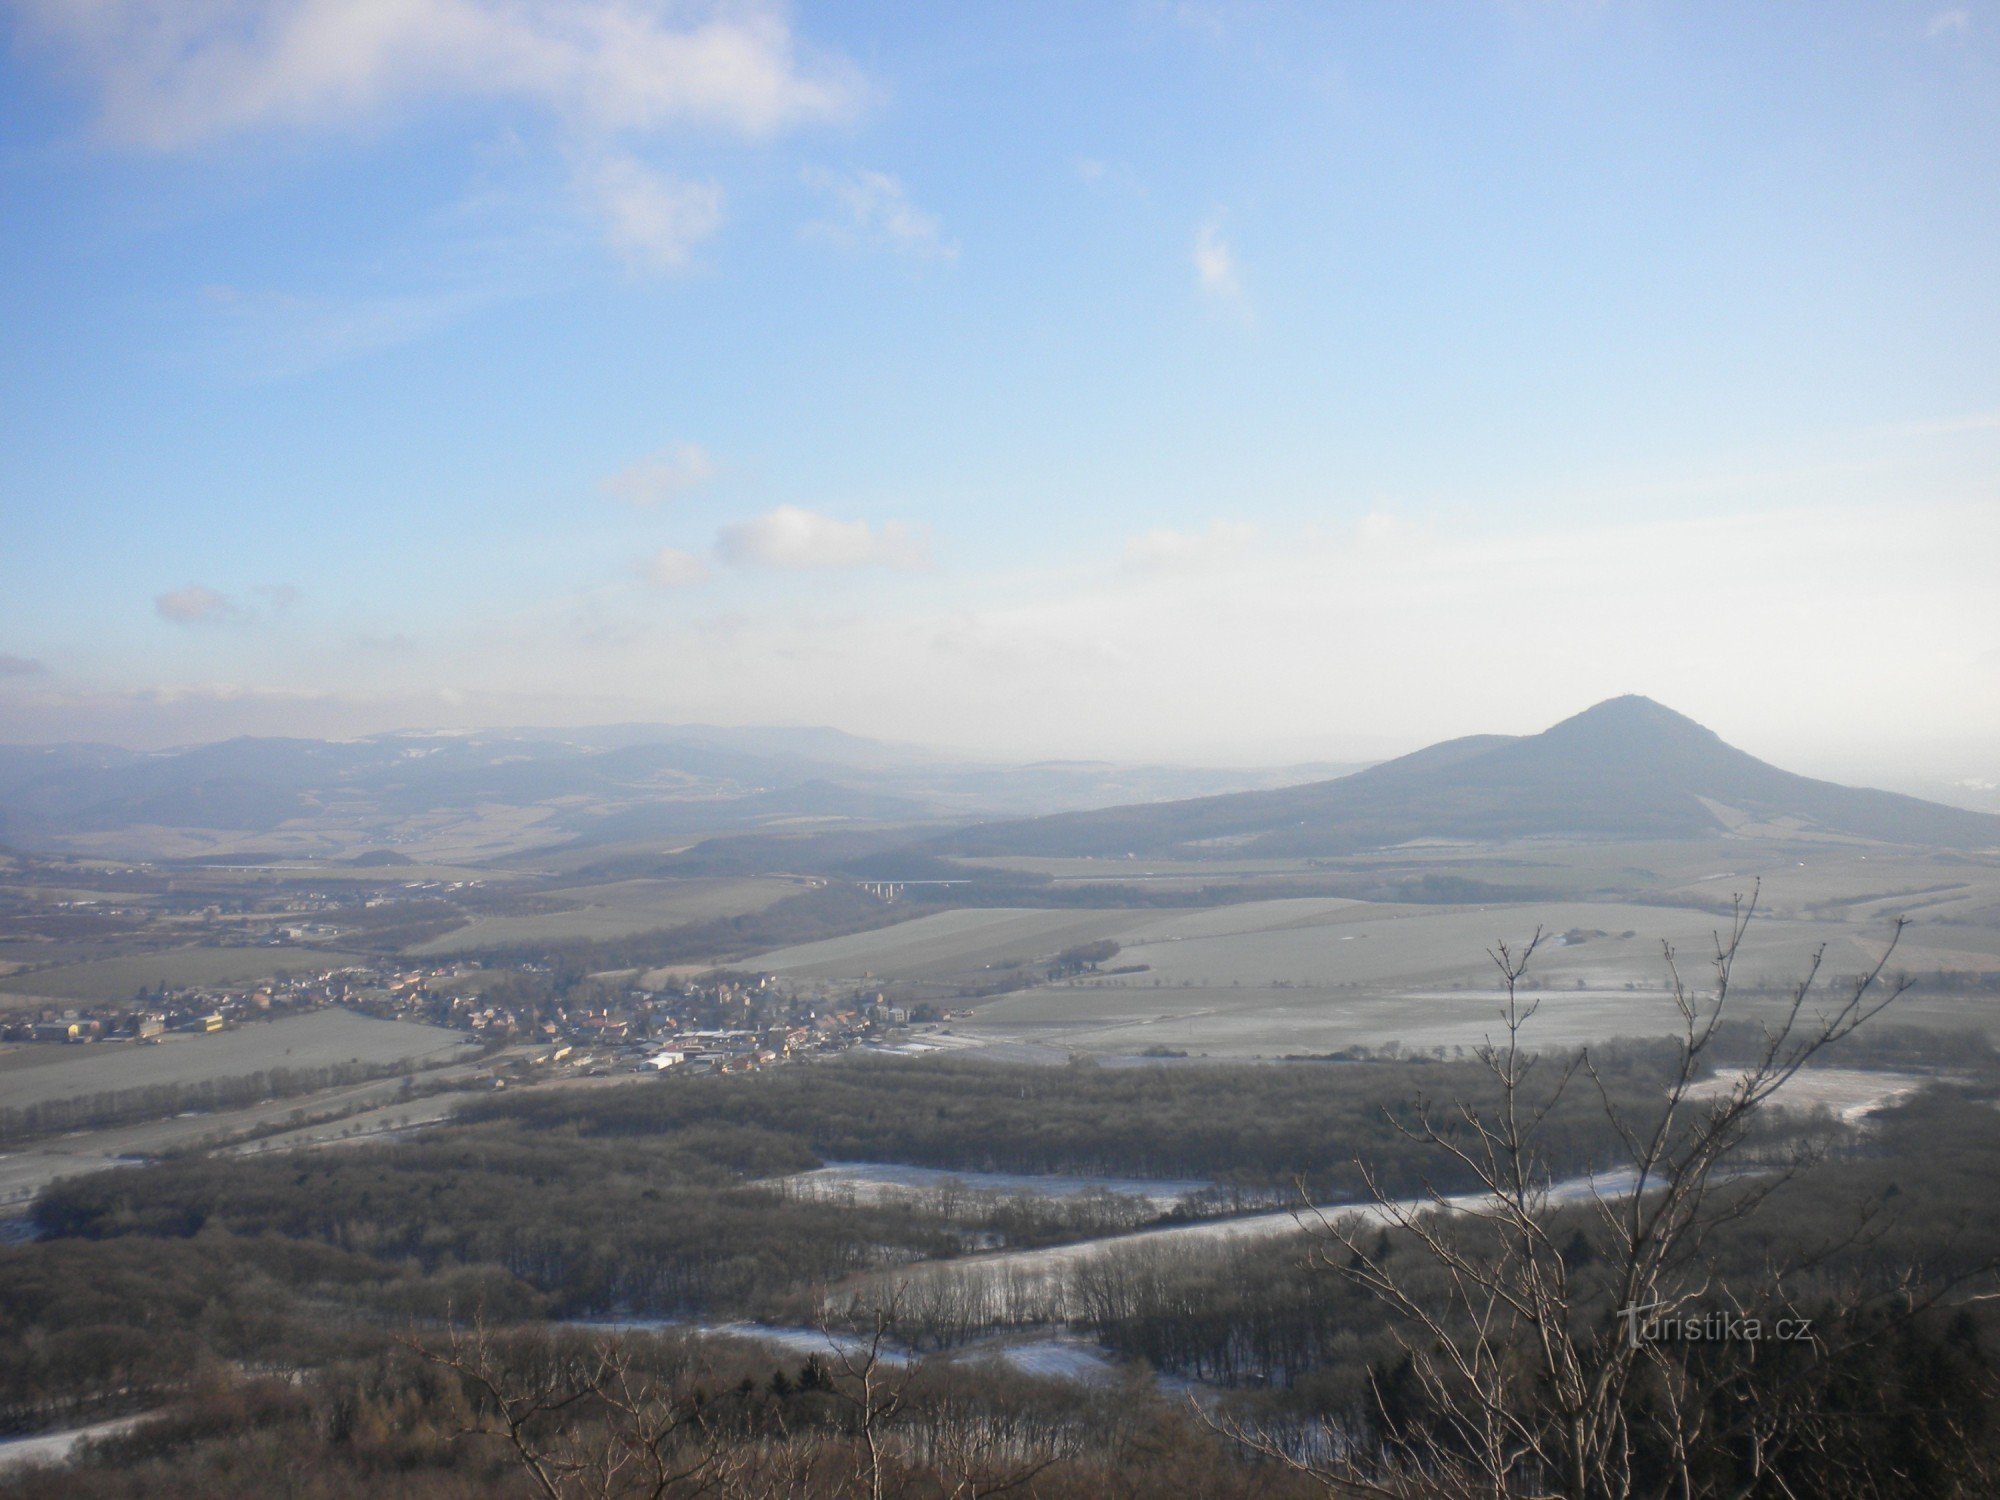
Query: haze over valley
pixel 1233 749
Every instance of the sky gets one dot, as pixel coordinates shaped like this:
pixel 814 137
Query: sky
pixel 1226 383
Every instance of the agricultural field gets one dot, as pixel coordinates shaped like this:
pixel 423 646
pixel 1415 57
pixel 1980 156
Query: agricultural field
pixel 27 1169
pixel 37 1074
pixel 444 835
pixel 107 979
pixel 1800 877
pixel 623 909
pixel 334 872
pixel 948 944
pixel 1312 975
pixel 1851 1093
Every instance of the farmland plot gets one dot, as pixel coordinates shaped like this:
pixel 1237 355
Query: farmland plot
pixel 1270 978
pixel 949 943
pixel 620 910
pixel 325 1038
pixel 120 978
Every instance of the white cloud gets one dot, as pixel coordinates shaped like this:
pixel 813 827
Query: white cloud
pixel 792 538
pixel 1366 639
pixel 1949 23
pixel 874 209
pixel 671 568
pixel 669 473
pixel 653 221
pixel 170 74
pixel 1373 637
pixel 197 604
pixel 1164 549
pixel 176 75
pixel 1215 263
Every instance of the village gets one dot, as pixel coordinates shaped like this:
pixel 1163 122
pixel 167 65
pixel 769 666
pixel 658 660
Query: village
pixel 721 1021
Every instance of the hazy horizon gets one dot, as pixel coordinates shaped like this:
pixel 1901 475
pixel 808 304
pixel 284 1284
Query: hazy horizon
pixel 1943 779
pixel 1209 384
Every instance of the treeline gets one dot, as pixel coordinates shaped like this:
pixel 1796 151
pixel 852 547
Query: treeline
pixel 1907 1202
pixel 1258 1127
pixel 659 1198
pixel 92 1328
pixel 158 1101
pixel 662 1225
pixel 388 1423
pixel 141 1279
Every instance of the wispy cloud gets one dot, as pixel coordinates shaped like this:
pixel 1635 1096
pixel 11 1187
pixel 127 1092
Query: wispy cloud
pixel 263 333
pixel 1215 263
pixel 874 209
pixel 197 604
pixel 1108 176
pixel 1949 23
pixel 665 475
pixel 21 666
pixel 671 568
pixel 170 74
pixel 796 539
pixel 176 76
pixel 653 221
pixel 1180 551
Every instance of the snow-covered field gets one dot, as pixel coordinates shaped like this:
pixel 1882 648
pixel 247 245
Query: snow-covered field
pixel 796 1341
pixel 1054 1355
pixel 1850 1093
pixel 1042 1278
pixel 877 1182
pixel 1057 1357
pixel 56 1447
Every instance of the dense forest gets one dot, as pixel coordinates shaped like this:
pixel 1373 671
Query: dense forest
pixel 1262 1129
pixel 654 1197
pixel 193 1281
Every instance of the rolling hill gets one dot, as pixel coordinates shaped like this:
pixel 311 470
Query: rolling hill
pixel 592 786
pixel 1628 768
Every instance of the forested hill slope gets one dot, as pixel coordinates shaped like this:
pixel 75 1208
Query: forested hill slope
pixel 1627 768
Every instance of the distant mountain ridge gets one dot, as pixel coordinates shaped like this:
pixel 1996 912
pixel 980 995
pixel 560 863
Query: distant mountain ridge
pixel 593 785
pixel 1627 768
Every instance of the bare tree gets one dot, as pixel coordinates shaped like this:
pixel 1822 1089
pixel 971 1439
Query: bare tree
pixel 586 1423
pixel 872 1380
pixel 1524 1371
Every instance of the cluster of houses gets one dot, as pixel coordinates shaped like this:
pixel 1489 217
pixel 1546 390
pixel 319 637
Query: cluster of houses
pixel 198 1009
pixel 155 1011
pixel 717 1022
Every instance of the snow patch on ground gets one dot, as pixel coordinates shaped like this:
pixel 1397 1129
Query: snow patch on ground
pixel 875 1182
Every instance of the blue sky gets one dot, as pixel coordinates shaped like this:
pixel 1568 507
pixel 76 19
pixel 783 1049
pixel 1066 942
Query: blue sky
pixel 1244 382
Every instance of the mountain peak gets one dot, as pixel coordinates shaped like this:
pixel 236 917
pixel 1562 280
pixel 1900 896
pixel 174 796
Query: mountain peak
pixel 1626 768
pixel 1630 725
pixel 1634 709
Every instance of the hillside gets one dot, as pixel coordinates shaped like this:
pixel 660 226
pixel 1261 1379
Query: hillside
pixel 1627 768
pixel 518 788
